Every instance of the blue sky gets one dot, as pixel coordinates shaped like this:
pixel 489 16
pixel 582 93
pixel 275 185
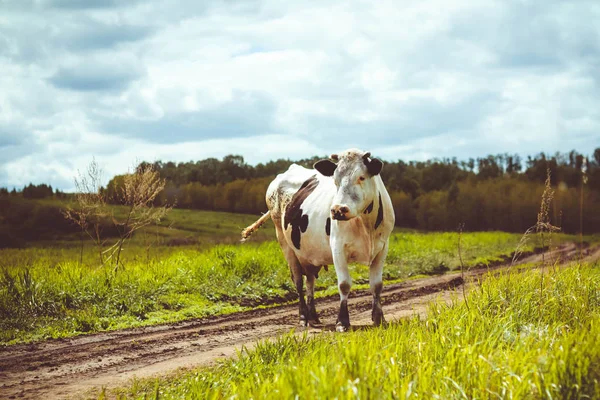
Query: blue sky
pixel 126 81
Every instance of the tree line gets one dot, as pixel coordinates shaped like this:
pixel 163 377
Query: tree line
pixel 497 192
pixel 414 177
pixel 32 191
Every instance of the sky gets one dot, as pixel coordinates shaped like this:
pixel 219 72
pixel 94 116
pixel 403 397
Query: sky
pixel 121 82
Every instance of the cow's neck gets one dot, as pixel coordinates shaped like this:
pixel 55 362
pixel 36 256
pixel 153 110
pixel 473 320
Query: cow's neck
pixel 372 215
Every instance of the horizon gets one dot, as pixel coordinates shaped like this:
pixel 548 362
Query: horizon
pixel 521 161
pixel 125 82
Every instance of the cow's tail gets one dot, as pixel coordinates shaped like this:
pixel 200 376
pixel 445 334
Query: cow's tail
pixel 246 233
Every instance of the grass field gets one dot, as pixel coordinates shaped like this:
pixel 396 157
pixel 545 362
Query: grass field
pixel 178 227
pixel 519 336
pixel 199 227
pixel 49 293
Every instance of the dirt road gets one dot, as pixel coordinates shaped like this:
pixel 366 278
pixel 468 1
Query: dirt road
pixel 73 367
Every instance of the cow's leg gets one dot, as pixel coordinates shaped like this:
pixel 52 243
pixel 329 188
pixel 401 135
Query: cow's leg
pixel 313 317
pixel 296 271
pixel 376 284
pixel 344 284
pixel 298 279
pixel 296 274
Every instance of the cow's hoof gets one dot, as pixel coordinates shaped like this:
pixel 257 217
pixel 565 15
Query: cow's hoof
pixel 314 322
pixel 341 328
pixel 378 320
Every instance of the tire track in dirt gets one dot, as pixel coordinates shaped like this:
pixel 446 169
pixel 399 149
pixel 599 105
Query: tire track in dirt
pixel 72 367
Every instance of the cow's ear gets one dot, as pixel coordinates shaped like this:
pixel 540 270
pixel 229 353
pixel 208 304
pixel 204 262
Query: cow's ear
pixel 326 167
pixel 374 166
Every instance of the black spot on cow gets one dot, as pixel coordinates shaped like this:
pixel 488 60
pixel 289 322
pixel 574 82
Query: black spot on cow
pixel 379 219
pixel 369 208
pixel 294 215
pixel 328 226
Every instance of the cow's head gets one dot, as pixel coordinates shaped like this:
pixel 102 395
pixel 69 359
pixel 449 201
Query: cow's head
pixel 352 175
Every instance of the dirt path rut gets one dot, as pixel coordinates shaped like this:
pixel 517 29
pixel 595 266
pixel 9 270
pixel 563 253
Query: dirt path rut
pixel 72 367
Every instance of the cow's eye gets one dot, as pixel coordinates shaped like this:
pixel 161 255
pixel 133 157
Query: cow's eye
pixel 362 178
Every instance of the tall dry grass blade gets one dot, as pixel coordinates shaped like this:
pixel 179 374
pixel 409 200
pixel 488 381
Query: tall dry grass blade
pixel 521 245
pixel 543 224
pixel 462 265
pixel 584 180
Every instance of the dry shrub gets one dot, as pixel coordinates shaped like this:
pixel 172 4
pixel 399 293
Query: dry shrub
pixel 139 192
pixel 91 206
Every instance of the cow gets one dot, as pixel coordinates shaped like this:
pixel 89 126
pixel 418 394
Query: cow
pixel 337 213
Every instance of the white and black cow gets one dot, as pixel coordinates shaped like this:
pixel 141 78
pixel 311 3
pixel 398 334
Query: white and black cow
pixel 339 215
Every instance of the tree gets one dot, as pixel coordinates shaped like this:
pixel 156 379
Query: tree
pixel 489 168
pixel 37 191
pixel 513 164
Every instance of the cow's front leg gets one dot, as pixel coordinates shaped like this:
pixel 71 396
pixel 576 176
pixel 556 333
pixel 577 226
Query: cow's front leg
pixel 376 284
pixel 313 317
pixel 344 284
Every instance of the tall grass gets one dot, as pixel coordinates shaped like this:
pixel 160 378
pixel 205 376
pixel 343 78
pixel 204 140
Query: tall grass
pixel 503 346
pixel 39 300
pixel 49 293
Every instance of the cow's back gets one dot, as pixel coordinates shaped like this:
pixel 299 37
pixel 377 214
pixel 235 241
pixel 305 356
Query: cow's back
pixel 299 200
pixel 283 187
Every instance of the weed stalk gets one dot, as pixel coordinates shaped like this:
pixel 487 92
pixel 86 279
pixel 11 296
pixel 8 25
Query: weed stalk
pixel 462 265
pixel 584 179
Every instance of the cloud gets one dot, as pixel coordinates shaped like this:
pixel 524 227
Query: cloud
pixel 178 80
pixel 245 114
pixel 65 36
pixel 85 34
pixel 9 137
pixel 14 142
pixel 84 4
pixel 403 121
pixel 533 35
pixel 60 165
pixel 98 74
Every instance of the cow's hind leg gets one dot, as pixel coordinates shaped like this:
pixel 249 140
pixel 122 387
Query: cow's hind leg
pixel 298 279
pixel 313 317
pixel 295 270
pixel 376 284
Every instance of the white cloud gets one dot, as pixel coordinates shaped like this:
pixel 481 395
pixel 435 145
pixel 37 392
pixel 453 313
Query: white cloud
pixel 127 81
pixel 61 165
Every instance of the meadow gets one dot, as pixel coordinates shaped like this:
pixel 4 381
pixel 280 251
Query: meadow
pixel 179 227
pixel 530 335
pixel 53 292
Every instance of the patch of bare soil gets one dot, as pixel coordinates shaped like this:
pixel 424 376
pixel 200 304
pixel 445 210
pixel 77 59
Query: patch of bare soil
pixel 73 367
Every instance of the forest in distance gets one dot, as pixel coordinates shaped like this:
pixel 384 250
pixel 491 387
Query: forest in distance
pixel 498 192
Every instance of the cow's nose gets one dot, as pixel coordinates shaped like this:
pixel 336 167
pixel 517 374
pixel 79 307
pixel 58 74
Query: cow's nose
pixel 339 212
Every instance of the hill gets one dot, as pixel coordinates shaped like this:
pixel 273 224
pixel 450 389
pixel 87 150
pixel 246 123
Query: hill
pixel 41 222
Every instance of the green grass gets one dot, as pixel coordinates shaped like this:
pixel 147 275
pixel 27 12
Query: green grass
pixel 47 293
pixel 178 227
pixel 201 227
pixel 521 336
